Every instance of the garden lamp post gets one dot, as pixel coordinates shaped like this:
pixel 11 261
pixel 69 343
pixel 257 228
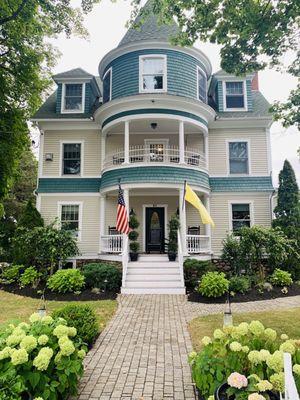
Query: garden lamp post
pixel 42 308
pixel 227 319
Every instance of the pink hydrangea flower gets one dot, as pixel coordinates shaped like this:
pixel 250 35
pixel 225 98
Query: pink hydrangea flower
pixel 237 380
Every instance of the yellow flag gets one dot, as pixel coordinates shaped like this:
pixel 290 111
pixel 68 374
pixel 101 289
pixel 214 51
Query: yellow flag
pixel 192 198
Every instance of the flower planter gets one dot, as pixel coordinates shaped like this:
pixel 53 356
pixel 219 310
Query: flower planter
pixel 134 256
pixel 172 256
pixel 27 396
pixel 221 394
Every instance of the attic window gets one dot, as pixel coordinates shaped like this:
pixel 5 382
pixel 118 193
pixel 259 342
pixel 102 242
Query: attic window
pixel 235 95
pixel 153 73
pixel 73 98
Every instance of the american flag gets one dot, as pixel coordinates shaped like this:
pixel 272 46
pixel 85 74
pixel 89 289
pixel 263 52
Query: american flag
pixel 122 217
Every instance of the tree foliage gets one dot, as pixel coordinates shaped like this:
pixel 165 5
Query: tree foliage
pixel 30 218
pixel 252 34
pixel 26 59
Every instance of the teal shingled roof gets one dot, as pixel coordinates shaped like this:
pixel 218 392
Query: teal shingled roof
pixel 241 184
pixel 149 29
pixel 69 185
pixel 73 73
pixel 155 174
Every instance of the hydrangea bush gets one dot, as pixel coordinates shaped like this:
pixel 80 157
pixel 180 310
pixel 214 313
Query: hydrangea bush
pixel 250 350
pixel 43 358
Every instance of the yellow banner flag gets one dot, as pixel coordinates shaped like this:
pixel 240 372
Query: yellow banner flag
pixel 192 198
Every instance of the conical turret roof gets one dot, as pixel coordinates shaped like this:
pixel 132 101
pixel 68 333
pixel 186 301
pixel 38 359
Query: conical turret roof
pixel 150 29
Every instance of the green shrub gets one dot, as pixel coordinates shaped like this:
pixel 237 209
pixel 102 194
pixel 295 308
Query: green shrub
pixel 246 349
pixel 66 280
pixel 30 217
pixel 134 247
pixel 281 278
pixel 96 275
pixel 213 284
pixel 133 235
pixel 35 359
pixel 239 284
pixel 30 277
pixel 11 274
pixel 194 269
pixel 83 318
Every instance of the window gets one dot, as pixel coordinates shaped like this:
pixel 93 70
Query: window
pixel 107 86
pixel 73 97
pixel 234 95
pixel 238 158
pixel 202 85
pixel 70 218
pixel 240 216
pixel 71 158
pixel 153 74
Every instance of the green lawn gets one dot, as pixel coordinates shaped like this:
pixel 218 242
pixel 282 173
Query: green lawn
pixel 14 307
pixel 283 321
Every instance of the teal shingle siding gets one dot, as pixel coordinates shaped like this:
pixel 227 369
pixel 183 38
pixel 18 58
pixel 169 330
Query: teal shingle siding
pixel 155 174
pixel 249 95
pixel 241 184
pixel 153 111
pixel 181 71
pixel 68 185
pixel 219 96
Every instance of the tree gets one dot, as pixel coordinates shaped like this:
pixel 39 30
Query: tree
pixel 23 185
pixel 253 34
pixel 287 211
pixel 30 218
pixel 26 59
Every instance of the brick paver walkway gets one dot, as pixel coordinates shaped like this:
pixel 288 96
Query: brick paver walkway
pixel 142 353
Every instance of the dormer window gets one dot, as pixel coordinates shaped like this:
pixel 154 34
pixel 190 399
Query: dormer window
pixel 153 73
pixel 73 98
pixel 201 85
pixel 107 86
pixel 235 95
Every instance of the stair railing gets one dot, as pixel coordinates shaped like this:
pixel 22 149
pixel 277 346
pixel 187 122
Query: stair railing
pixel 180 257
pixel 290 392
pixel 124 259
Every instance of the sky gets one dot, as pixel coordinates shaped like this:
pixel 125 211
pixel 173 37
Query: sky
pixel 107 25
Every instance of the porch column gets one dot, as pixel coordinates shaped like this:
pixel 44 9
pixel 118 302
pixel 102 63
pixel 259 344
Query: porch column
pixel 182 218
pixel 181 142
pixel 126 143
pixel 102 149
pixel 207 227
pixel 102 220
pixel 206 149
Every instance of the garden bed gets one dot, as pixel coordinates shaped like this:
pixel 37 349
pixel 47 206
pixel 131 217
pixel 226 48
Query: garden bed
pixel 252 295
pixel 85 295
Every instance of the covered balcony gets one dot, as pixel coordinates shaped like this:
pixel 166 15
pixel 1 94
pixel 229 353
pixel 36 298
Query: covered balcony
pixel 155 141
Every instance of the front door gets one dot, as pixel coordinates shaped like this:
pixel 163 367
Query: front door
pixel 155 229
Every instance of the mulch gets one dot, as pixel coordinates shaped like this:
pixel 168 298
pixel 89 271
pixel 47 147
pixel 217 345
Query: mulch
pixel 252 295
pixel 85 295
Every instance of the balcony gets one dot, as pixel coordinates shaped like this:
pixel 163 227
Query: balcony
pixel 158 154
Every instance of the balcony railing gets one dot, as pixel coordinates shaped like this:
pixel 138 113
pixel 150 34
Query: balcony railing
pixel 196 244
pixel 164 155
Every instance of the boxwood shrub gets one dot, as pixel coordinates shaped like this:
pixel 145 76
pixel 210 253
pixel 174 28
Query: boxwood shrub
pixel 194 270
pixel 81 317
pixel 102 276
pixel 239 284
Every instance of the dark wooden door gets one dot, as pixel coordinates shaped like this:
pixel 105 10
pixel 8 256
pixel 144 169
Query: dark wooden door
pixel 155 229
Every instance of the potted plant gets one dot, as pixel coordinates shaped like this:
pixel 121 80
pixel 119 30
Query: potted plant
pixel 172 240
pixel 133 236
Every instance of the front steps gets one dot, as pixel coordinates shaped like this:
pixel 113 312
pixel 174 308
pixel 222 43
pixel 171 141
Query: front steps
pixel 153 274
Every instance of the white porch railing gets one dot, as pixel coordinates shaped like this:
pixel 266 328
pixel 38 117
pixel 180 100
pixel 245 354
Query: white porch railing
pixel 112 244
pixel 124 259
pixel 290 392
pixel 167 155
pixel 198 244
pixel 180 257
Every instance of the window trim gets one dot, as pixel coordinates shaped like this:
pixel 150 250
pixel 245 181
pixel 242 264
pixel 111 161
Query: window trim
pixel 245 108
pixel 165 74
pixel 228 141
pixel 71 203
pixel 63 94
pixel 61 170
pixel 110 92
pixel 204 73
pixel 240 201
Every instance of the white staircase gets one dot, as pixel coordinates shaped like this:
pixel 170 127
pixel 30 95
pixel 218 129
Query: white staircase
pixel 153 274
